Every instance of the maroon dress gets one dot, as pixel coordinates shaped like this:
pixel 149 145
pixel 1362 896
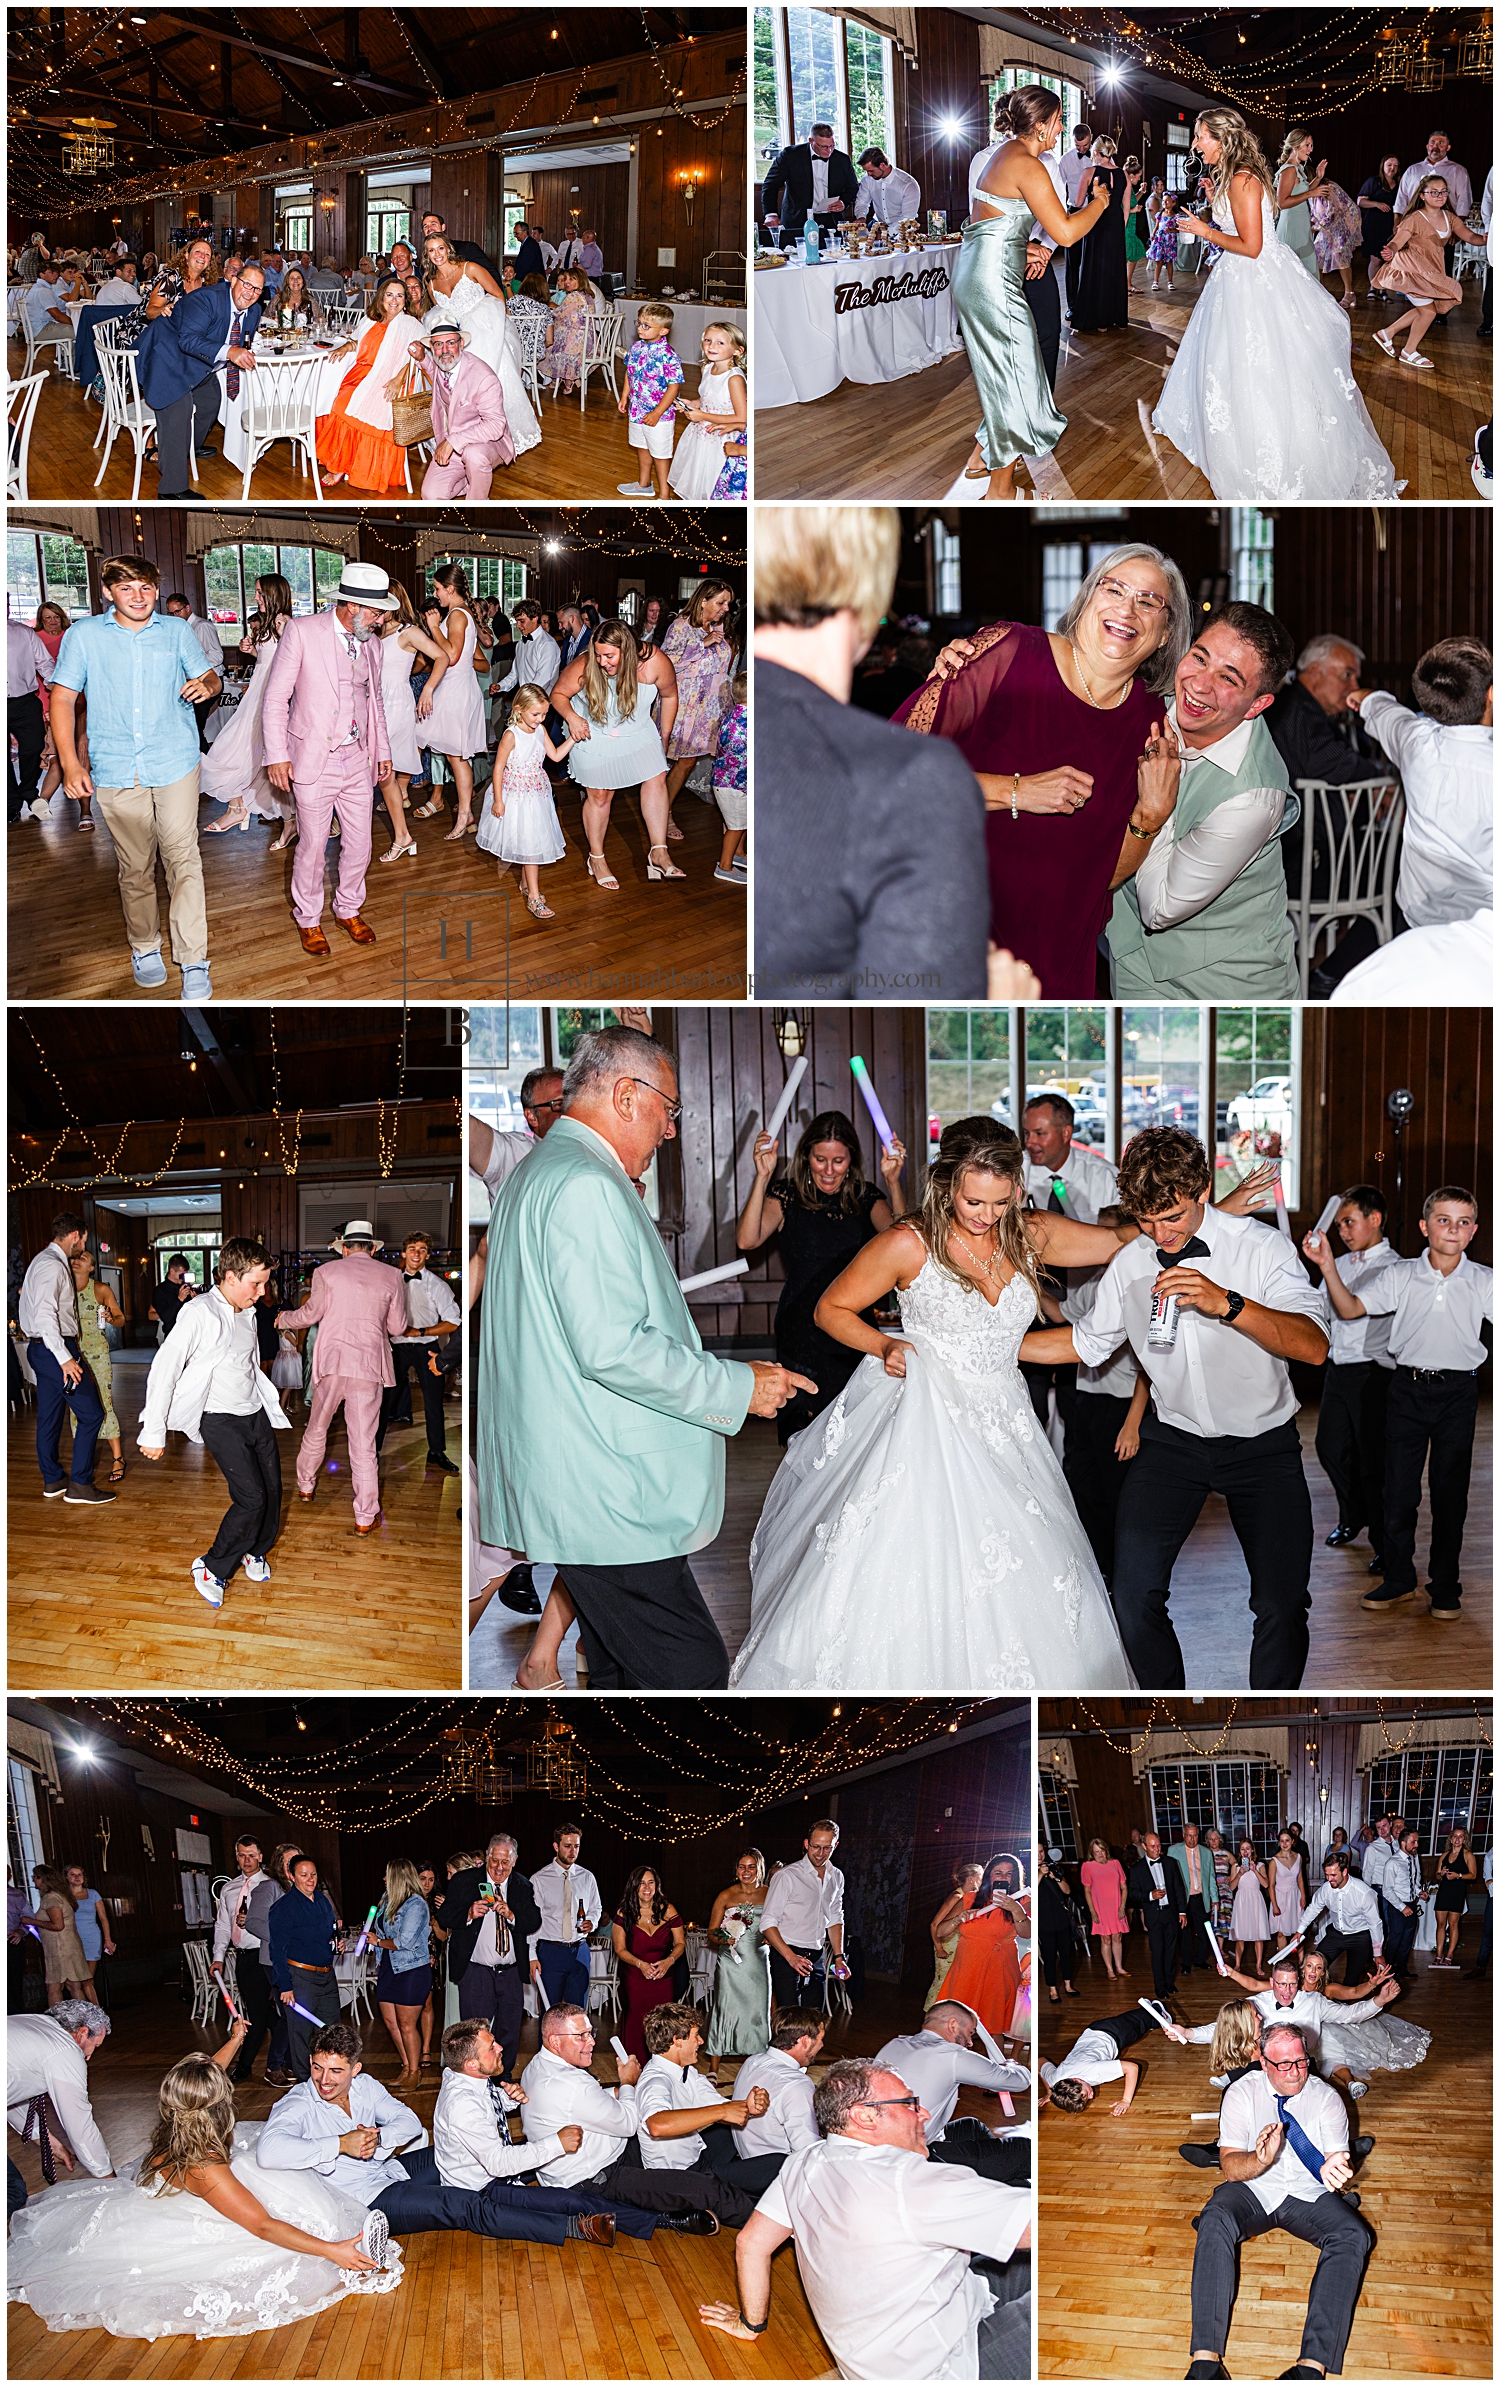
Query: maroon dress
pixel 640 1994
pixel 1010 709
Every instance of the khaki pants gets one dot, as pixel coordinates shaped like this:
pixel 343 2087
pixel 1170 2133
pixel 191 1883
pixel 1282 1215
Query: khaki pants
pixel 145 822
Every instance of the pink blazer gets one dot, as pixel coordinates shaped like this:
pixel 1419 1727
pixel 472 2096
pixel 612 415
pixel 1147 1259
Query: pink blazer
pixel 358 1306
pixel 470 411
pixel 301 708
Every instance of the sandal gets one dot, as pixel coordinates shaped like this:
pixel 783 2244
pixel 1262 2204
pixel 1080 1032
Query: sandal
pixel 117 1472
pixel 407 846
pixel 457 835
pixel 604 876
pixel 674 834
pixel 538 909
pixel 559 1685
pixel 666 869
pixel 424 812
pixel 231 820
pixel 278 845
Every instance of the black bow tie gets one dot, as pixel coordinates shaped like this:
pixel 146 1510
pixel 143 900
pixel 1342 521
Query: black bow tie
pixel 1194 1249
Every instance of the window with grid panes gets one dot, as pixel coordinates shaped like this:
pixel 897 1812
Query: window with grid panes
pixel 1435 1790
pixel 1235 1797
pixel 1057 1814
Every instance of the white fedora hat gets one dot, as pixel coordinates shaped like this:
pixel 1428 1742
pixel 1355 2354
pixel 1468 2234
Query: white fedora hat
pixel 358 1230
pixel 366 584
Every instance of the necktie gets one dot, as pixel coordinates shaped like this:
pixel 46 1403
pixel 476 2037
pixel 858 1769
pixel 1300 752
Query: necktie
pixel 36 2124
pixel 1299 2142
pixel 1194 1249
pixel 1055 1198
pixel 232 371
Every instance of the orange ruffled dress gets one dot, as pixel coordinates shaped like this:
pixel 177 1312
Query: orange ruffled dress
pixel 355 444
pixel 986 1970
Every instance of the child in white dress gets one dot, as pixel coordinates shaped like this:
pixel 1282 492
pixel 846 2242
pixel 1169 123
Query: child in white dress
pixel 520 821
pixel 721 401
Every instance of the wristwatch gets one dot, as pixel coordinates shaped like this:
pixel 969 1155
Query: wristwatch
pixel 1236 1303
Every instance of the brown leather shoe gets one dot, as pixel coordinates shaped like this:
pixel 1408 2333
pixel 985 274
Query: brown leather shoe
pixel 360 930
pixel 313 940
pixel 598 2228
pixel 370 1528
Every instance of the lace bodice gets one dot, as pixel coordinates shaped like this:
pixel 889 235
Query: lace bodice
pixel 960 1328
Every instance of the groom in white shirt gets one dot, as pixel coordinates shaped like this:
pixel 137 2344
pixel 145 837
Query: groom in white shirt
pixel 1223 1416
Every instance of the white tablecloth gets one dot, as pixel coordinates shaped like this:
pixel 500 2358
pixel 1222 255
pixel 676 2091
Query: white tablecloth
pixel 806 343
pixel 233 417
pixel 689 317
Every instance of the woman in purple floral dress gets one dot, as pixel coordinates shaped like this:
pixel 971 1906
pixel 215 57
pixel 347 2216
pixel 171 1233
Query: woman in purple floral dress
pixel 701 657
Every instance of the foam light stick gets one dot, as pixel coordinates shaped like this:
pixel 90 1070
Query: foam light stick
pixel 795 1075
pixel 315 2019
pixel 1157 2012
pixel 1213 1941
pixel 359 1945
pixel 861 1077
pixel 1328 1214
pixel 621 2055
pixel 1281 1216
pixel 714 1276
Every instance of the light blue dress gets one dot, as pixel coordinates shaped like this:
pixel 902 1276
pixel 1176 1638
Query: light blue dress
pixel 1294 225
pixel 619 751
pixel 989 291
pixel 741 2019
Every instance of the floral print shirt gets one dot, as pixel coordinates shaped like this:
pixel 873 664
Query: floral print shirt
pixel 652 366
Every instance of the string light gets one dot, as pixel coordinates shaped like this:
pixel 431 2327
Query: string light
pixel 1160 1708
pixel 1266 85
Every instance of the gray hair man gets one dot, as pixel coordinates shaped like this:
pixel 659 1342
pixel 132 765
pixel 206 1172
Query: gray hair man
pixel 47 2085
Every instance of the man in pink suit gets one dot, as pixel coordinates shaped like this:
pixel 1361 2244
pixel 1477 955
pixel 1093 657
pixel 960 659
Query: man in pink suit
pixel 359 1309
pixel 468 420
pixel 323 722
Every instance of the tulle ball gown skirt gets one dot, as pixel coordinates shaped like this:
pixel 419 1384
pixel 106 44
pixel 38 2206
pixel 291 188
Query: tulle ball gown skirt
pixel 1262 398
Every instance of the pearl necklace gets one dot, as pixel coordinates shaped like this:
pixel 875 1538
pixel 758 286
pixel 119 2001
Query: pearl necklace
pixel 1088 691
pixel 975 1261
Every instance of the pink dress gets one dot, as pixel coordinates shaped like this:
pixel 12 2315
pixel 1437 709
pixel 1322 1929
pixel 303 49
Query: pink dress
pixel 1107 1884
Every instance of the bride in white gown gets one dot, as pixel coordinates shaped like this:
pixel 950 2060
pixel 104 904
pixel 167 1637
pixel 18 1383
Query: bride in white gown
pixel 1261 395
pixel 919 1536
pixel 463 293
pixel 233 771
pixel 196 2240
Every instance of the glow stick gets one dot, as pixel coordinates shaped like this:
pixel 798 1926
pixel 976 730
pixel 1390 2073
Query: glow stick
pixel 359 1945
pixel 1328 1214
pixel 861 1077
pixel 234 2011
pixel 620 2054
pixel 315 2019
pixel 1157 2012
pixel 714 1276
pixel 1292 1943
pixel 1213 1941
pixel 1203 2117
pixel 36 1935
pixel 795 1075
pixel 1007 2105
pixel 1281 1217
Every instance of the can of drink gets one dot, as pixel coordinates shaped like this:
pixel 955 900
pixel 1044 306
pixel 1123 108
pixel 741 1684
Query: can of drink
pixel 1161 1326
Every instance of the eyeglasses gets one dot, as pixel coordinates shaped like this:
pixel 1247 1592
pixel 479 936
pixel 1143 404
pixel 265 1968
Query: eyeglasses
pixel 1142 599
pixel 874 2104
pixel 558 1103
pixel 673 1109
pixel 1291 2063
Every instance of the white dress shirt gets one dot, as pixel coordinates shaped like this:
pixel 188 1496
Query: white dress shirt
pixel 538 660
pixel 429 1298
pixel 26 661
pixel 1374 1863
pixel 302 2133
pixel 1401 1880
pixel 788 2121
pixel 44 2060
pixel 1352 1909
pixel 937 2070
pixel 558 1889
pixel 1435 1319
pixel 488 1948
pixel 801 1906
pixel 116 292
pixel 1311 2011
pixel 470 2146
pixel 210 1356
pixel 1180 876
pixel 1460 188
pixel 894 199
pixel 1117 1376
pixel 47 1311
pixel 208 638
pixel 1090 1183
pixel 232 1897
pixel 1214 1381
pixel 232 1386
pixel 1093 2056
pixel 1249 2107
pixel 820 166
pixel 1448 839
pixel 665 2087
pixel 559 2092
pixel 1351 1340
pixel 1077 175
pixel 883 2242
pixel 1459 958
pixel 508 1148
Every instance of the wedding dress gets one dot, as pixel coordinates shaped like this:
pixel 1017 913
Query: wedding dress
pixel 920 1535
pixel 1384 2043
pixel 492 337
pixel 1261 396
pixel 234 769
pixel 143 2262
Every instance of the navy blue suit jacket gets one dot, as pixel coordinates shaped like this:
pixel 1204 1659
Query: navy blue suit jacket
pixel 177 351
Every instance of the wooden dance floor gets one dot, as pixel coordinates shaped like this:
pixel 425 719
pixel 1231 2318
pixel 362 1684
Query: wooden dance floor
pixel 446 925
pixel 103 1597
pixel 1210 1594
pixel 1115 2239
pixel 911 439
pixel 581 456
pixel 468 2308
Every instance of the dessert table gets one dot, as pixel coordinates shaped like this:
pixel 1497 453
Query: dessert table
pixel 867 319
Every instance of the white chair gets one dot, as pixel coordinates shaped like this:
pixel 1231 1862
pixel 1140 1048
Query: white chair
pixel 601 348
pixel 281 402
pixel 532 336
pixel 13 301
pixel 55 338
pixel 1357 831
pixel 343 314
pixel 125 411
pixel 104 337
pixel 362 1985
pixel 200 1980
pixel 604 1981
pixel 21 401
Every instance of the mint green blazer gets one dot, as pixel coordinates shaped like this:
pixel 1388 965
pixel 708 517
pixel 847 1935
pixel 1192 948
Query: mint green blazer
pixel 602 1419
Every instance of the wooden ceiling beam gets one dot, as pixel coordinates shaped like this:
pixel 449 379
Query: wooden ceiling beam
pixel 209 22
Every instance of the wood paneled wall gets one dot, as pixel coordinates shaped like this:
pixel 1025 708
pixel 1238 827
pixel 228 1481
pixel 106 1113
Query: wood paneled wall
pixel 973 1803
pixel 1395 580
pixel 944 86
pixel 1352 1059
pixel 160 534
pixel 730 1074
pixel 601 197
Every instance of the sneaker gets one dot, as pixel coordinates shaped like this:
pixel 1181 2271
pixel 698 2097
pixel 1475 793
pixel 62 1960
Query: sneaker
pixel 54 1491
pixel 1388 1596
pixel 197 987
pixel 690 2225
pixel 258 1570
pixel 730 878
pixel 1446 1611
pixel 86 1496
pixel 375 2237
pixel 208 1585
pixel 634 489
pixel 149 968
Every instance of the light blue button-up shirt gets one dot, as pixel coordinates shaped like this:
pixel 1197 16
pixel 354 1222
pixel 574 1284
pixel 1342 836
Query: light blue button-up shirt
pixel 140 729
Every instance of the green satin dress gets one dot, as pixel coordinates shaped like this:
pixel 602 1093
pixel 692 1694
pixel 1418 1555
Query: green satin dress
pixel 741 2020
pixel 1294 226
pixel 989 291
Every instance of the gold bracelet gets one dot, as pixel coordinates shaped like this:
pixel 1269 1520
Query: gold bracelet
pixel 1145 835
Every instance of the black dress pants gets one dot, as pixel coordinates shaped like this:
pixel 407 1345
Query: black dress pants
pixel 646 1628
pixel 1351 1442
pixel 1357 1949
pixel 181 427
pixel 1261 1480
pixel 1195 1948
pixel 319 1993
pixel 1040 1380
pixel 1233 2214
pixel 1400 1936
pixel 1162 1940
pixel 244 1450
pixel 253 1985
pixel 1095 1476
pixel 752 2173
pixel 28 726
pixel 1057 1956
pixel 1428 1419
pixel 966 2141
pixel 788 1987
pixel 1046 314
pixel 505 2209
pixel 404 1357
pixel 696 2191
pixel 495 1993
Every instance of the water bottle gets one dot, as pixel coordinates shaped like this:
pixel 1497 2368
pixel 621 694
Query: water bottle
pixel 1161 1326
pixel 810 249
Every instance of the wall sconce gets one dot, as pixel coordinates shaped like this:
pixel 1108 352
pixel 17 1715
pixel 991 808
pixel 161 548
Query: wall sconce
pixel 791 1034
pixel 690 183
pixel 327 202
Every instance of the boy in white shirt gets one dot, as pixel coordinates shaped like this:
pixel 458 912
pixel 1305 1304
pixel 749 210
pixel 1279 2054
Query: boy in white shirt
pixel 683 2122
pixel 1357 1380
pixel 1445 754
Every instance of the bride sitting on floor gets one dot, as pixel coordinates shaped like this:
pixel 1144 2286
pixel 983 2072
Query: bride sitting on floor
pixel 920 1536
pixel 196 2240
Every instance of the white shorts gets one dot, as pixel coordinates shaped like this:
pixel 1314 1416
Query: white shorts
pixel 655 438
